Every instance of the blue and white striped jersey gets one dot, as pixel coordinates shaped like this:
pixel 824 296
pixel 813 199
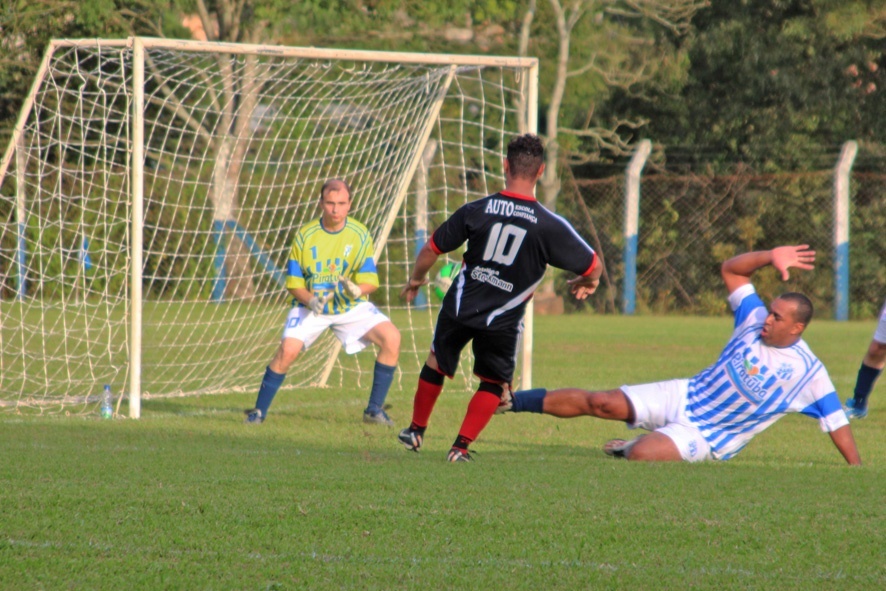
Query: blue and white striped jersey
pixel 752 385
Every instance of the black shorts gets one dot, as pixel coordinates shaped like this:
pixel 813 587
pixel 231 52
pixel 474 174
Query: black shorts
pixel 495 351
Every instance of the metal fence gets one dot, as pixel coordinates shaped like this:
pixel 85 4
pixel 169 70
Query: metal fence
pixel 690 223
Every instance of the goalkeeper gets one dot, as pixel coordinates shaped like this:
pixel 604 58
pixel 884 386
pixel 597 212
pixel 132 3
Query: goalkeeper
pixel 331 271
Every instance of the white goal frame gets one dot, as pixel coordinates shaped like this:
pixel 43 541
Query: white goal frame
pixel 416 175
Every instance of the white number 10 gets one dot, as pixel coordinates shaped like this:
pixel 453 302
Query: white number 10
pixel 500 248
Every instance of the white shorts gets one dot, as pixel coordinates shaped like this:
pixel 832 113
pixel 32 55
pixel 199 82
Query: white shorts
pixel 350 327
pixel 661 407
pixel 880 333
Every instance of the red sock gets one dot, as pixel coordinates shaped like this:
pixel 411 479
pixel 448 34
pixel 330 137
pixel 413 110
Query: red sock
pixel 480 411
pixel 423 404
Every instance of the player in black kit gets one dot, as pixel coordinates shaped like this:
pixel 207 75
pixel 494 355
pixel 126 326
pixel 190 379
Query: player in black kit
pixel 511 240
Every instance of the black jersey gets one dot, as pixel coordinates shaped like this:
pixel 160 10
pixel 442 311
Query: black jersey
pixel 511 240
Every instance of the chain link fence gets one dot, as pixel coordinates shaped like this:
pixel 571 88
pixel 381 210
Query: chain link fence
pixel 690 223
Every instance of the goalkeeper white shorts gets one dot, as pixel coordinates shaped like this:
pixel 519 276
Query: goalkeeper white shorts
pixel 661 407
pixel 350 327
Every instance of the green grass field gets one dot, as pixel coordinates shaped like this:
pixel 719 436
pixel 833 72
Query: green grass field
pixel 190 498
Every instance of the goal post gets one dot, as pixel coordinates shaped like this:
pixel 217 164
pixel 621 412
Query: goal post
pixel 152 189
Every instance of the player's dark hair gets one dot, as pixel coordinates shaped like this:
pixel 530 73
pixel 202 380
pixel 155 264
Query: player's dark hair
pixel 803 315
pixel 526 154
pixel 334 185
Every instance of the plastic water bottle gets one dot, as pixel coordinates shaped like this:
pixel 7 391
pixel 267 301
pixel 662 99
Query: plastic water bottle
pixel 107 403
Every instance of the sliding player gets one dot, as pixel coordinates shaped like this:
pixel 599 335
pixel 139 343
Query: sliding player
pixel 765 371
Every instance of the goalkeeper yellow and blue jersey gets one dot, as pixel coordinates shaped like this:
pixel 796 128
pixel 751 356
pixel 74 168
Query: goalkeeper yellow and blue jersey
pixel 318 257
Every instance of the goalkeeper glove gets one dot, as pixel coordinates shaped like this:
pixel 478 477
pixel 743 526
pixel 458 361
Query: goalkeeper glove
pixel 444 283
pixel 316 304
pixel 349 287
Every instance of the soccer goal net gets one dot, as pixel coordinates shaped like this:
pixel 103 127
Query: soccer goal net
pixel 152 189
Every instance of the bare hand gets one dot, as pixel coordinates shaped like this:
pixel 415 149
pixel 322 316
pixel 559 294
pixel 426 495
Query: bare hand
pixel 582 287
pixel 410 290
pixel 799 256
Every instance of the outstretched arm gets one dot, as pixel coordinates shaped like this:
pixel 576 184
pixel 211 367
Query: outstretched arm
pixel 845 442
pixel 737 271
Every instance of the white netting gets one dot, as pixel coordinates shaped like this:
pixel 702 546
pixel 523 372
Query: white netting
pixel 236 146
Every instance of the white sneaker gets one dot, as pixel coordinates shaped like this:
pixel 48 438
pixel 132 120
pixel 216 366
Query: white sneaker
pixel 618 448
pixel 459 455
pixel 379 418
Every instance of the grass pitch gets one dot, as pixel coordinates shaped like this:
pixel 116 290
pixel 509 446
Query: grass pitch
pixel 190 498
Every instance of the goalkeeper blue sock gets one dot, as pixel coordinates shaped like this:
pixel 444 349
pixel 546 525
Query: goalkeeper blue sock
pixel 269 386
pixel 530 400
pixel 382 377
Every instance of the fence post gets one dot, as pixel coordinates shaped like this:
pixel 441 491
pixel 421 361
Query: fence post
pixel 632 223
pixel 841 230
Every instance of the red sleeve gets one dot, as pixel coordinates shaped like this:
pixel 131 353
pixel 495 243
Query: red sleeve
pixel 434 246
pixel 592 267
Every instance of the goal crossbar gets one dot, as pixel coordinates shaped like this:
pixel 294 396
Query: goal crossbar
pixel 356 55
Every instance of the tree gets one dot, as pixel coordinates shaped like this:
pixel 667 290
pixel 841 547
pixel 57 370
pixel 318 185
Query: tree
pixel 776 83
pixel 229 132
pixel 27 26
pixel 621 48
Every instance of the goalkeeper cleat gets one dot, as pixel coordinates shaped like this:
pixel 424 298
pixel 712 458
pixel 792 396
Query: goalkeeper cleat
pixel 254 416
pixel 459 455
pixel 618 448
pixel 411 439
pixel 377 418
pixel 853 411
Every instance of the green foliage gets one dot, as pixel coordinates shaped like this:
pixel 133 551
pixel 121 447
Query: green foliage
pixel 779 82
pixel 95 15
pixel 850 20
pixel 27 26
pixel 867 271
pixel 389 25
pixel 775 83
